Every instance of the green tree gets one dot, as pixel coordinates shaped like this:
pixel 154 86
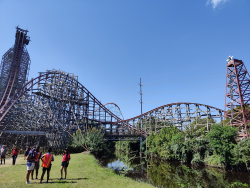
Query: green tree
pixel 241 153
pixel 93 139
pixel 197 127
pixel 159 143
pixel 222 140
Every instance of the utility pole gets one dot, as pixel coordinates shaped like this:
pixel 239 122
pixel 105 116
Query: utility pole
pixel 141 110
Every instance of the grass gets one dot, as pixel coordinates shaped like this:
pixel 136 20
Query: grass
pixel 83 171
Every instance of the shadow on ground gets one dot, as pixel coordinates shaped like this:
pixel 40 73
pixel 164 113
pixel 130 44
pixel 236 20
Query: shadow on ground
pixel 62 182
pixel 76 179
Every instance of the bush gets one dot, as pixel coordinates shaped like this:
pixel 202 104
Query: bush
pixel 214 160
pixel 159 143
pixel 131 145
pixel 241 153
pixel 222 140
pixel 93 139
pixel 218 148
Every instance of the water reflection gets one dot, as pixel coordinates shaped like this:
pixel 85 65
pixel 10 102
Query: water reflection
pixel 171 173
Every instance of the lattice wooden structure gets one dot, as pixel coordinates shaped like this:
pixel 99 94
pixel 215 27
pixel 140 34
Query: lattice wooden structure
pixel 50 108
pixel 177 114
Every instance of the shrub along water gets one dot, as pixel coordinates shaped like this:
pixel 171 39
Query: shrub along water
pixel 218 148
pixel 131 145
pixel 93 140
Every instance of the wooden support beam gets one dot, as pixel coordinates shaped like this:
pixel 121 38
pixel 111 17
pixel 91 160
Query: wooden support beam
pixel 34 133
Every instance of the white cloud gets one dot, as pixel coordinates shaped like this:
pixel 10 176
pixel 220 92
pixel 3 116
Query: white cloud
pixel 215 3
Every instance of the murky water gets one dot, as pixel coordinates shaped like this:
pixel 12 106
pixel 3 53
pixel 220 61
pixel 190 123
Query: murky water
pixel 171 173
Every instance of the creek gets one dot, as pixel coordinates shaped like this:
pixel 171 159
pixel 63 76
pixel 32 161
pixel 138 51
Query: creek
pixel 171 173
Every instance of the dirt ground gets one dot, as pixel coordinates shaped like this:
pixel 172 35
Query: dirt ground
pixel 8 161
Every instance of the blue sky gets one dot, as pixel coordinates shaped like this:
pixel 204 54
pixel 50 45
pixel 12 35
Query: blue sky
pixel 179 48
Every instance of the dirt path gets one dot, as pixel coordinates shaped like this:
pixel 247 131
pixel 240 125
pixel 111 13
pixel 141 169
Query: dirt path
pixel 8 161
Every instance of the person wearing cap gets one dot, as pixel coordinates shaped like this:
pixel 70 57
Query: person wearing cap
pixel 3 153
pixel 46 159
pixel 38 157
pixel 31 158
pixel 65 163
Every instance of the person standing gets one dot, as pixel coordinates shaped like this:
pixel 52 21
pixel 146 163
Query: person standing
pixel 14 155
pixel 38 157
pixel 46 164
pixel 3 153
pixel 31 158
pixel 26 153
pixel 65 163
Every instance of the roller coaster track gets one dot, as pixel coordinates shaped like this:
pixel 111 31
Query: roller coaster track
pixel 55 102
pixel 60 93
pixel 16 71
pixel 54 105
pixel 28 87
pixel 168 105
pixel 178 114
pixel 114 126
pixel 110 103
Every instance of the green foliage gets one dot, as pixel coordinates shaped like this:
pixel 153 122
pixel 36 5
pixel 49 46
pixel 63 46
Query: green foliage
pixel 143 145
pixel 151 143
pixel 191 150
pixel 175 147
pixel 241 153
pixel 130 145
pixel 218 148
pixel 93 139
pixel 214 160
pixel 126 154
pixel 237 184
pixel 222 140
pixel 196 128
pixel 157 143
pixel 127 157
pixel 122 146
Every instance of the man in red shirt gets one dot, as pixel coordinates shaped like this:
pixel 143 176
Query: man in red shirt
pixel 65 163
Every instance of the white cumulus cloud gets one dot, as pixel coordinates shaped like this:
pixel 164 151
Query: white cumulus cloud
pixel 215 3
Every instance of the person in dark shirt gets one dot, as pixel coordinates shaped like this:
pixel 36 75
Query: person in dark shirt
pixel 65 163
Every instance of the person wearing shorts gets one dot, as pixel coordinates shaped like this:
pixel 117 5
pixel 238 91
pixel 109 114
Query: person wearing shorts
pixel 46 164
pixel 3 153
pixel 30 164
pixel 65 163
pixel 38 157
